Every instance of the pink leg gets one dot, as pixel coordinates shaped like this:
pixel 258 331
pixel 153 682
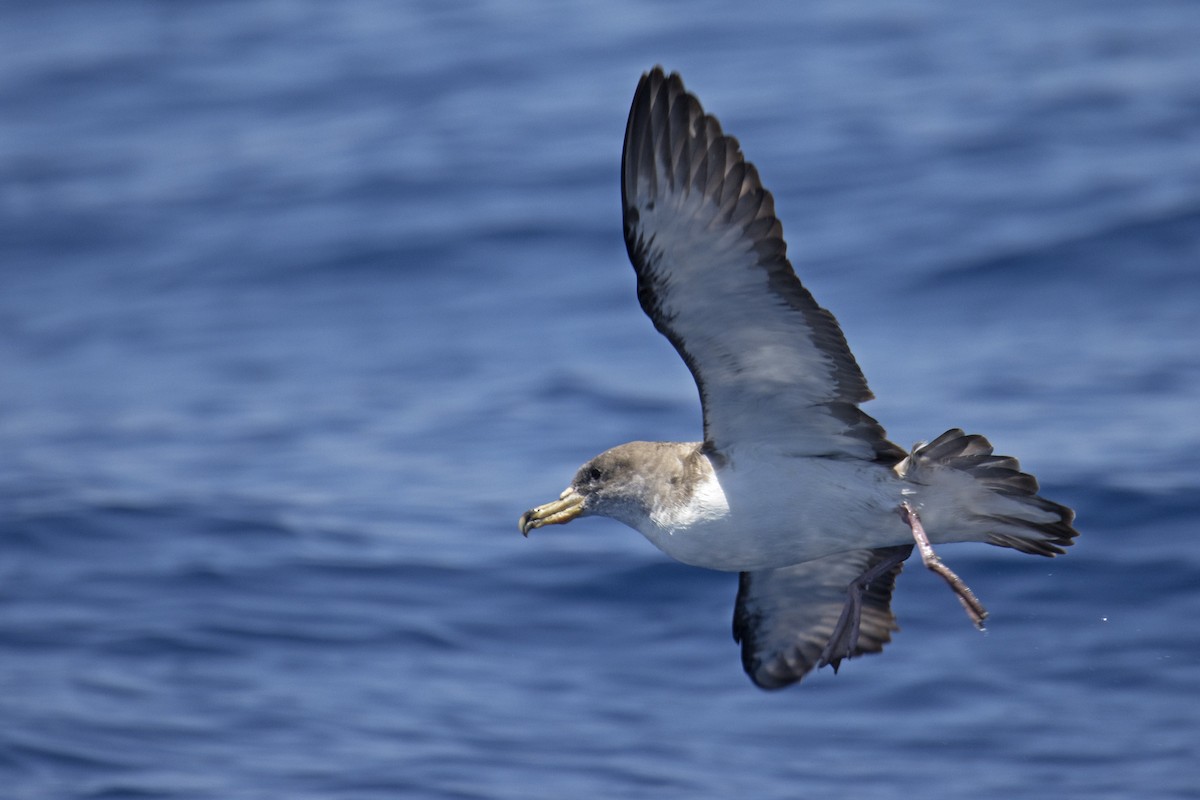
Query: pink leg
pixel 975 609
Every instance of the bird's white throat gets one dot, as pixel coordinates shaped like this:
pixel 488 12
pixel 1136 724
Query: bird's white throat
pixel 707 503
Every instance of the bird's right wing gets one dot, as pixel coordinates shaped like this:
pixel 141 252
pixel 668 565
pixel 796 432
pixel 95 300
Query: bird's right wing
pixel 784 617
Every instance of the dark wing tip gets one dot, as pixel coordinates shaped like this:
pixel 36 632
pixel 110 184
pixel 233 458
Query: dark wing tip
pixel 662 120
pixel 668 126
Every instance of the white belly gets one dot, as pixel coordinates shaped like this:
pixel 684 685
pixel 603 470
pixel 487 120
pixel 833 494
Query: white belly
pixel 764 512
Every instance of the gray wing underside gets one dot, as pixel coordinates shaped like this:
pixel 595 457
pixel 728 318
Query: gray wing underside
pixel 713 276
pixel 784 617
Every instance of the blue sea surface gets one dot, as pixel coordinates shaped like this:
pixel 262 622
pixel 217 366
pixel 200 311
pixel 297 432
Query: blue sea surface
pixel 302 304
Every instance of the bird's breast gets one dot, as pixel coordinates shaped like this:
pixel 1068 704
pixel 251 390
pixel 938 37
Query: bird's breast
pixel 778 512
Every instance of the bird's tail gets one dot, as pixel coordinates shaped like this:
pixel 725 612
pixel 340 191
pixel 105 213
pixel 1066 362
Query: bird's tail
pixel 1001 500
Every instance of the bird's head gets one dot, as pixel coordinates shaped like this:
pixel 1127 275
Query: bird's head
pixel 613 484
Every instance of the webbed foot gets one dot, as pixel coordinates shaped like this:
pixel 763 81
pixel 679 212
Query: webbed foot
pixel 843 641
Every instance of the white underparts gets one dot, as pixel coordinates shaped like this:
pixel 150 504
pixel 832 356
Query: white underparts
pixel 707 503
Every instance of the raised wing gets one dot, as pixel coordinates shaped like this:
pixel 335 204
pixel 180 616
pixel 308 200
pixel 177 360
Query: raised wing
pixel 784 617
pixel 713 276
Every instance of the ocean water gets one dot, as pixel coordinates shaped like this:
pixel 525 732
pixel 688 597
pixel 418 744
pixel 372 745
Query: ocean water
pixel 302 304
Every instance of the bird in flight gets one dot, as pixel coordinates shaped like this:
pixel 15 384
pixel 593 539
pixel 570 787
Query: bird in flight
pixel 794 486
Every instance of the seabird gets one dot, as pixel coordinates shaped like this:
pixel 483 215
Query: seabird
pixel 793 486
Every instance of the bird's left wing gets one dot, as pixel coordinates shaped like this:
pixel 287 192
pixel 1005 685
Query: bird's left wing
pixel 784 617
pixel 713 276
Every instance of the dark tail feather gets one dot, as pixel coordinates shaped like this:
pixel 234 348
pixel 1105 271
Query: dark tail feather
pixel 1002 475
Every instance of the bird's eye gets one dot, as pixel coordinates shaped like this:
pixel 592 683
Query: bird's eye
pixel 594 474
